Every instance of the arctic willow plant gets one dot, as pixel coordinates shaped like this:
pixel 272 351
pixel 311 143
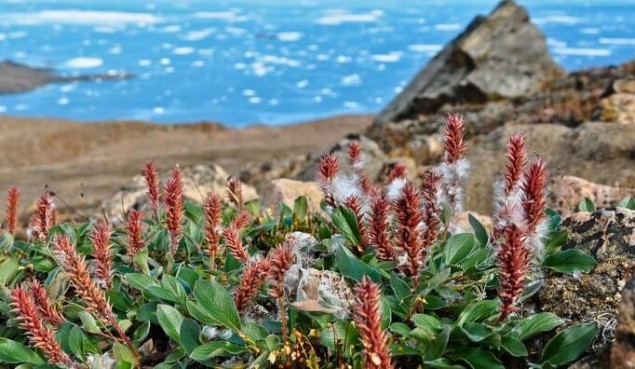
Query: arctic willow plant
pixel 387 280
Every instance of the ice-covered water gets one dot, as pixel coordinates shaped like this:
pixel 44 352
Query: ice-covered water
pixel 264 61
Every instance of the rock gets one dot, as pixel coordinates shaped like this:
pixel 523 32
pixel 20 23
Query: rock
pixel 408 163
pixel 285 191
pixel 619 107
pixel 603 153
pixel 16 77
pixel 566 193
pixel 626 85
pixel 198 181
pixel 374 158
pixel 502 56
pixel 609 236
pixel 623 349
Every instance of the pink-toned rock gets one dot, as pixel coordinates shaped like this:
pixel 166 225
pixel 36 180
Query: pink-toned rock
pixel 285 191
pixel 566 193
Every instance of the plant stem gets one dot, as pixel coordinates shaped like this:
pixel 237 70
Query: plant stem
pixel 283 318
pixel 127 341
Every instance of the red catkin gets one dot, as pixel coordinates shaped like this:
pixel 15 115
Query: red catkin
pixel 13 198
pixel 368 321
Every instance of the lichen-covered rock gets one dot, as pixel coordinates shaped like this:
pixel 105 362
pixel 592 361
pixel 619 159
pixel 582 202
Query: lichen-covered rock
pixel 623 349
pixel 566 192
pixel 609 236
pixel 198 181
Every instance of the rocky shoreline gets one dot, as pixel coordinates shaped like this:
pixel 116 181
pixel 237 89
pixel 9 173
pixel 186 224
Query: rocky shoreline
pixel 17 78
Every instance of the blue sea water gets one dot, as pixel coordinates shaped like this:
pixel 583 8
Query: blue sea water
pixel 264 61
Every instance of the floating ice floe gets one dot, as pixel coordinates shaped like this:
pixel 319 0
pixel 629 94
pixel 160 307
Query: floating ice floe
pixel 447 27
pixel 78 17
pixel 183 50
pixel 333 17
pixel 391 57
pixel 424 48
pixel 558 19
pixel 581 51
pixel 84 63
pixel 229 16
pixel 617 41
pixel 289 36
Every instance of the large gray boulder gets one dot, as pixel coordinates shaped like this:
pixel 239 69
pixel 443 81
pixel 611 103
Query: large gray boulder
pixel 502 56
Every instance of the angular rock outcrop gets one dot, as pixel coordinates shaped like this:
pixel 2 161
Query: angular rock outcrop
pixel 501 56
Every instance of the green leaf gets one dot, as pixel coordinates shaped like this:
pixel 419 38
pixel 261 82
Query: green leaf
pixel 122 353
pixel 216 348
pixel 476 332
pixel 627 202
pixel 386 312
pixel 89 323
pixel 170 320
pixel 190 332
pixel 478 311
pixel 400 287
pixel 76 342
pixel 216 304
pixel 12 352
pixel 353 268
pixel 148 312
pixel 569 344
pixel 513 346
pixel 6 241
pixel 9 268
pixel 340 336
pixel 254 331
pixel 441 363
pixel 140 281
pixel 479 231
pixel 436 349
pixel 535 324
pixel 171 290
pixel 555 241
pixel 346 221
pixel 570 261
pixel 400 329
pixel 457 248
pixel 301 207
pixel 478 359
pixel 426 321
pixel 253 207
pixel 175 287
pixel 586 204
pixel 141 332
